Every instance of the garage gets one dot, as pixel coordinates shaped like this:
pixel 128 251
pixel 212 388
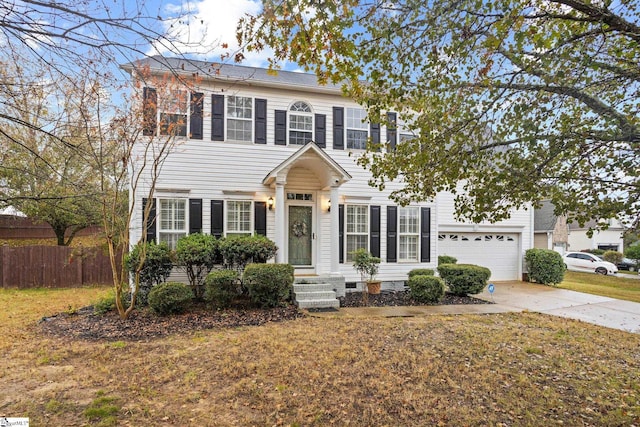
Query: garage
pixel 499 252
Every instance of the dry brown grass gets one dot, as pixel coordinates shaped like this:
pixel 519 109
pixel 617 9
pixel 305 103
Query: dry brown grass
pixel 514 369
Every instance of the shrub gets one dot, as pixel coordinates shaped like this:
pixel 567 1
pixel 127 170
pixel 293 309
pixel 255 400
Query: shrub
pixel 426 288
pixel 633 252
pixel 446 259
pixel 545 266
pixel 238 251
pixel 108 302
pixel 421 272
pixel 154 270
pixel 464 279
pixel 197 254
pixel 599 252
pixel 613 256
pixel 222 287
pixel 169 298
pixel 269 285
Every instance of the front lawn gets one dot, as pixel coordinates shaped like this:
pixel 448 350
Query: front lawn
pixel 509 369
pixel 607 286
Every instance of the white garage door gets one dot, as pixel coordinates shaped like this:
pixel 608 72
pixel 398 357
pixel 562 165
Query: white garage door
pixel 498 252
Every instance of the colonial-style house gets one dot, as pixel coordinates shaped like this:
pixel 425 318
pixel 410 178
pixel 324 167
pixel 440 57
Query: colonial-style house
pixel 551 231
pixel 275 154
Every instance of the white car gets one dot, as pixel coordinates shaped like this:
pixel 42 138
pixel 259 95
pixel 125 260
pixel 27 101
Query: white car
pixel 589 263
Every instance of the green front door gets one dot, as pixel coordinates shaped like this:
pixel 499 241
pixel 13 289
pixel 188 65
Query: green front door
pixel 300 235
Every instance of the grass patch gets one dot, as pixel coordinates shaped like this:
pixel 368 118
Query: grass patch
pixel 606 286
pixel 509 369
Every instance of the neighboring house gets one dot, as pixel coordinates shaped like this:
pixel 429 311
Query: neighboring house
pixel 550 231
pixel 609 239
pixel 276 155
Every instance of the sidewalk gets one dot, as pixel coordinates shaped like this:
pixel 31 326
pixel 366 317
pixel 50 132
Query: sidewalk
pixel 523 296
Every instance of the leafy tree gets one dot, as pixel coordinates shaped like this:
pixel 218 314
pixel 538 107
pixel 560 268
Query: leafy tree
pixel 503 103
pixel 633 252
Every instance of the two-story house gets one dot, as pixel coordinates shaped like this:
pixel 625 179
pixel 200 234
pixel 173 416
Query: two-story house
pixel 275 154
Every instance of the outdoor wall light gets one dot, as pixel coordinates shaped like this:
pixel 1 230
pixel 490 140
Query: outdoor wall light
pixel 270 203
pixel 329 206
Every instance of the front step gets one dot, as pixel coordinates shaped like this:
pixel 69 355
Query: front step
pixel 315 295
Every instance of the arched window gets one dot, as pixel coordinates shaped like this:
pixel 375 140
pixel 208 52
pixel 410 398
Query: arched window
pixel 300 123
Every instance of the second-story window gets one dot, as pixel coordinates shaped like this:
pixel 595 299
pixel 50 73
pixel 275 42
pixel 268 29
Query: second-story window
pixel 357 128
pixel 239 118
pixel 300 124
pixel 173 112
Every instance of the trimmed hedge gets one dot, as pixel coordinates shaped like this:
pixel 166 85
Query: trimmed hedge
pixel 170 298
pixel 238 251
pixel 426 288
pixel 221 287
pixel 613 257
pixel 545 266
pixel 446 259
pixel 155 269
pixel 269 285
pixel 197 254
pixel 464 279
pixel 421 272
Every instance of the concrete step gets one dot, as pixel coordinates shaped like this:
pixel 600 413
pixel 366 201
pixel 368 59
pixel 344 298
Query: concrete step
pixel 312 287
pixel 319 303
pixel 315 295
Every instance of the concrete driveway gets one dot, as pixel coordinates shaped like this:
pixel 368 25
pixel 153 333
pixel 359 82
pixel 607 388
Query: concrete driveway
pixel 602 311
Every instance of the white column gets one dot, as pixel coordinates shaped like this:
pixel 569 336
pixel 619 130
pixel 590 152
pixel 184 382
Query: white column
pixel 280 221
pixel 335 235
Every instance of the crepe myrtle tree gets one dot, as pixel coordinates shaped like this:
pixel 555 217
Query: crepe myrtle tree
pixel 503 103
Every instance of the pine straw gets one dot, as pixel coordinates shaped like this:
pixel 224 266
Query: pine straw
pixel 508 369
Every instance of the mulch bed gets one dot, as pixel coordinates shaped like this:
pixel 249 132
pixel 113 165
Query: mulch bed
pixel 143 325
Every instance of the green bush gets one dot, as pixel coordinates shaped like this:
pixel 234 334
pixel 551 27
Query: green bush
pixel 154 270
pixel 170 297
pixel 599 252
pixel 545 266
pixel 196 254
pixel 633 252
pixel 238 251
pixel 421 272
pixel 108 302
pixel 269 285
pixel 426 288
pixel 613 256
pixel 446 259
pixel 222 287
pixel 464 279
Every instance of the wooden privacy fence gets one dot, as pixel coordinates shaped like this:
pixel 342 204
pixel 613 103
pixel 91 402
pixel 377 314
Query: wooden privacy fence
pixel 53 266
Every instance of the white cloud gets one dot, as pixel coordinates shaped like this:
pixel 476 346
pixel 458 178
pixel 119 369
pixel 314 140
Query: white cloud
pixel 210 24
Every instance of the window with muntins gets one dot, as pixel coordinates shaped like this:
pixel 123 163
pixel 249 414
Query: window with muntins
pixel 172 108
pixel 173 221
pixel 408 233
pixel 357 128
pixel 300 123
pixel 357 228
pixel 240 118
pixel 239 218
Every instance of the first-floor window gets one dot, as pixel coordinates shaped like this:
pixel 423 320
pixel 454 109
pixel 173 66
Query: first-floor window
pixel 173 223
pixel 239 218
pixel 357 229
pixel 408 233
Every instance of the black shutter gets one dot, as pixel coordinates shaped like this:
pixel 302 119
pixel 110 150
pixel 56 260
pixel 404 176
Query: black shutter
pixel 425 235
pixel 321 130
pixel 150 226
pixel 261 121
pixel 195 216
pixel 374 232
pixel 338 128
pixel 341 233
pixel 217 117
pixel 392 133
pixel 197 108
pixel 217 218
pixel 149 111
pixel 281 127
pixel 375 133
pixel 392 233
pixel 260 218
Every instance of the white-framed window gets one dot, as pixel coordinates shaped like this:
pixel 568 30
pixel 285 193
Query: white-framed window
pixel 240 118
pixel 357 128
pixel 300 123
pixel 173 221
pixel 408 233
pixel 172 109
pixel 357 229
pixel 239 218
